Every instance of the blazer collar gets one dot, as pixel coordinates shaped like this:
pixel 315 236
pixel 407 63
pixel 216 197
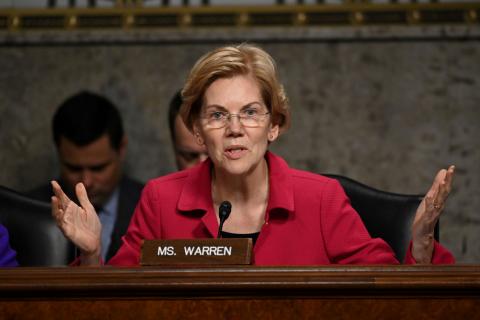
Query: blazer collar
pixel 280 184
pixel 197 190
pixel 196 194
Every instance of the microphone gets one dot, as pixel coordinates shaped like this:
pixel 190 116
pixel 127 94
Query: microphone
pixel 223 213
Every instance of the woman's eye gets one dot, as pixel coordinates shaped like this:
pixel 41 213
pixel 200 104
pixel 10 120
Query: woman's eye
pixel 250 112
pixel 216 115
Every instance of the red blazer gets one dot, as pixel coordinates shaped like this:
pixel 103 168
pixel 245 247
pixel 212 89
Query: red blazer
pixel 309 220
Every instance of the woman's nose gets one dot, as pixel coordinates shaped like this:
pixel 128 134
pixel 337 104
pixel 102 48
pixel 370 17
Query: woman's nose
pixel 234 125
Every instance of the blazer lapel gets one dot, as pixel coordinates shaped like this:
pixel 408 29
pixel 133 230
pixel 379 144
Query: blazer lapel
pixel 197 196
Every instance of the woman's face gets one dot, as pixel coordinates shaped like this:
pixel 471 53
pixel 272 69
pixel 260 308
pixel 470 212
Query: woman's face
pixel 238 146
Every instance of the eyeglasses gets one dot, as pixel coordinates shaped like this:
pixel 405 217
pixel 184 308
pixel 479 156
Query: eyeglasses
pixel 251 118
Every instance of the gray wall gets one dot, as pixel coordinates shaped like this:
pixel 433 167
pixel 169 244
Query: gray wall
pixel 386 106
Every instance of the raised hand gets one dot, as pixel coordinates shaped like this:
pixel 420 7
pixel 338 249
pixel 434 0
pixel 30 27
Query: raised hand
pixel 427 215
pixel 80 224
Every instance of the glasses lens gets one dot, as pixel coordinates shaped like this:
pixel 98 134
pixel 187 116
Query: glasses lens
pixel 250 122
pixel 219 120
pixel 217 124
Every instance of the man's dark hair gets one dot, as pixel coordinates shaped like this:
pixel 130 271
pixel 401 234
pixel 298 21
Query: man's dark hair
pixel 85 117
pixel 173 111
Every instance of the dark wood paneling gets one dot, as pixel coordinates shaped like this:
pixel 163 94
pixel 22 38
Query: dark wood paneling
pixel 352 292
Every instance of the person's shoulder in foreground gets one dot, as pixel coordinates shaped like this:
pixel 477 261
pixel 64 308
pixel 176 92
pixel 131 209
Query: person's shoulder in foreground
pixel 7 254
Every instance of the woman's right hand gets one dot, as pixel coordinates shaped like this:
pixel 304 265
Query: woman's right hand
pixel 80 224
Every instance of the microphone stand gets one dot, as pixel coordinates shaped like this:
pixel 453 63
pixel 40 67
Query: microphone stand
pixel 223 213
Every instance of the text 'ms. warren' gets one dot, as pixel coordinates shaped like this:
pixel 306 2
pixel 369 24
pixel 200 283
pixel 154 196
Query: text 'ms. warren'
pixel 196 251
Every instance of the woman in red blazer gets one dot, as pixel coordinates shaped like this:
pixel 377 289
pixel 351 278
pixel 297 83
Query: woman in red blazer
pixel 235 106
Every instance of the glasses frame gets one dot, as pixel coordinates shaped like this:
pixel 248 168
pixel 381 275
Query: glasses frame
pixel 260 117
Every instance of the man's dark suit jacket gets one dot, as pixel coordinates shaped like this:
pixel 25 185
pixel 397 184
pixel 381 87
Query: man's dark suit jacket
pixel 130 191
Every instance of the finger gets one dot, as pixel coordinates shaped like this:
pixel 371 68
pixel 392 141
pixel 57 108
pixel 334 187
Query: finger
pixel 439 177
pixel 445 188
pixel 57 213
pixel 449 177
pixel 54 202
pixel 435 185
pixel 83 197
pixel 57 190
pixel 431 212
pixel 440 198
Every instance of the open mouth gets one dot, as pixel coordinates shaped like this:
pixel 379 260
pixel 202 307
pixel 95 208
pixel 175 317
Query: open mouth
pixel 235 152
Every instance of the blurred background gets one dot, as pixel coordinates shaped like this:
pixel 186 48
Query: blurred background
pixel 384 92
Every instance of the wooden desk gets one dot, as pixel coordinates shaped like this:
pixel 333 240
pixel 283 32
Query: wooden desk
pixel 340 292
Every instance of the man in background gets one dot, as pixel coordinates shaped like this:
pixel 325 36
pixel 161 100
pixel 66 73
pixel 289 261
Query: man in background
pixel 187 151
pixel 91 147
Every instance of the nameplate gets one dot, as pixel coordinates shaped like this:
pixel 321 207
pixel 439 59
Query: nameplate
pixel 196 252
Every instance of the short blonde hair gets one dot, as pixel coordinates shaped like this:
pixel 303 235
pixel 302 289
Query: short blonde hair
pixel 229 61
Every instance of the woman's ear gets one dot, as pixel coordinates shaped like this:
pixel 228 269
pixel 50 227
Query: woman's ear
pixel 198 135
pixel 273 132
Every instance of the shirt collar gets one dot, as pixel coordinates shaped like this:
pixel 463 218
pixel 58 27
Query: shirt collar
pixel 110 207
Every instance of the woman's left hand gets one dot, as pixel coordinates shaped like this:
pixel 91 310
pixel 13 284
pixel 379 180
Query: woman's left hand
pixel 427 216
